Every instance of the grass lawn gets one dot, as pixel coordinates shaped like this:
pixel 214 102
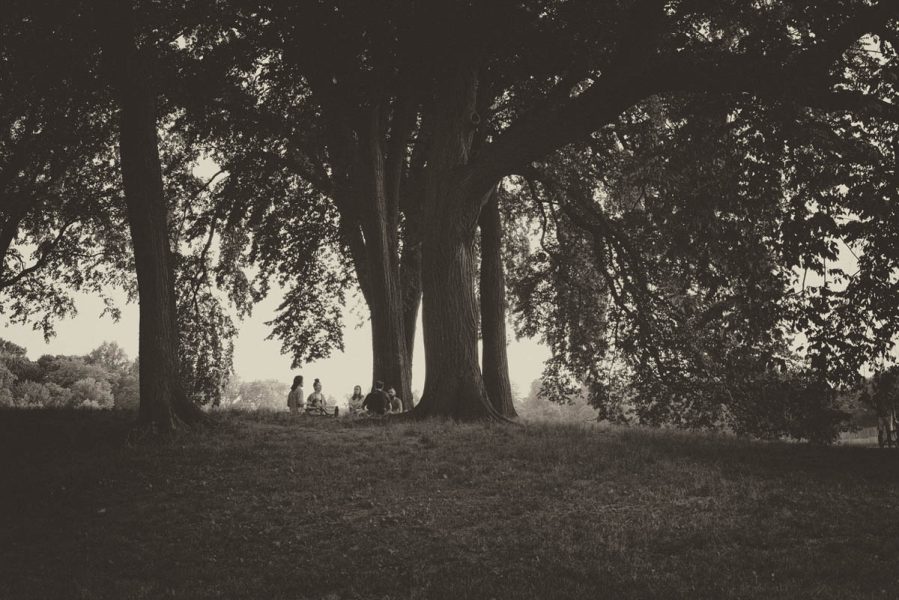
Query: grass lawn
pixel 265 506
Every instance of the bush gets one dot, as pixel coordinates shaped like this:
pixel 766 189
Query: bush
pixel 60 397
pixel 103 379
pixel 537 408
pixel 794 405
pixel 30 394
pixel 7 381
pixel 90 393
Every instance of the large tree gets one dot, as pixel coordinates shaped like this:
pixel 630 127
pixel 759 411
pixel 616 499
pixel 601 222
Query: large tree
pixel 329 135
pixel 403 119
pixel 163 398
pixel 396 97
pixel 67 208
pixel 776 53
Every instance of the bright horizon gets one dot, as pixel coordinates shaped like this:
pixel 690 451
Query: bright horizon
pixel 256 358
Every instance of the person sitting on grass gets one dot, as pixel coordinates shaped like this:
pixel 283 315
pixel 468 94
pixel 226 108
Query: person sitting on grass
pixel 315 403
pixel 295 397
pixel 356 400
pixel 396 403
pixel 376 402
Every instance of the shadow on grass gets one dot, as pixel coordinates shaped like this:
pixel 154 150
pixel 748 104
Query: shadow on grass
pixel 271 505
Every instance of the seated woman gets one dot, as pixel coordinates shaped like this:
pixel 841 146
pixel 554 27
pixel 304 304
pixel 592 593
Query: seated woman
pixel 355 401
pixel 295 397
pixel 315 403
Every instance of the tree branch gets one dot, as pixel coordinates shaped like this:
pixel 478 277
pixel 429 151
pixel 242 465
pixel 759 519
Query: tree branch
pixel 871 19
pixel 46 251
pixel 633 79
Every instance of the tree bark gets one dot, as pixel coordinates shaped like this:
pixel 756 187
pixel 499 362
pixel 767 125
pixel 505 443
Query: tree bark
pixel 163 402
pixel 367 171
pixel 454 386
pixel 385 303
pixel 385 298
pixel 493 311
pixel 380 225
pixel 410 277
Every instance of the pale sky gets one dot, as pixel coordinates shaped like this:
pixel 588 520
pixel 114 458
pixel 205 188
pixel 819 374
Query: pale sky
pixel 254 356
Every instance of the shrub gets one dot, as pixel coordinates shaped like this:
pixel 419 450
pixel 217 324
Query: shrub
pixel 91 393
pixel 30 394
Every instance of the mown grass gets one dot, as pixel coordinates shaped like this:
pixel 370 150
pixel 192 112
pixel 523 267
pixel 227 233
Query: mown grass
pixel 265 506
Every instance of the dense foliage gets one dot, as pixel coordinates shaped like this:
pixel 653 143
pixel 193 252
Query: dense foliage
pixel 104 378
pixel 672 272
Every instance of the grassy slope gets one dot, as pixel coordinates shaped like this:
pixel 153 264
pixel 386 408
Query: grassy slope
pixel 262 506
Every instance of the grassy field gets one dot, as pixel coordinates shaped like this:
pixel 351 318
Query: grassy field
pixel 265 506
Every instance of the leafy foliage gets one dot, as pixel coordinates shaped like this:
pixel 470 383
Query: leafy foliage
pixel 105 378
pixel 65 228
pixel 695 218
pixel 881 392
pixel 62 209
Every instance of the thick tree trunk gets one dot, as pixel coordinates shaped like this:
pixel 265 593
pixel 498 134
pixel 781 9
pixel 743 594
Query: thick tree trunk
pixel 493 311
pixel 381 228
pixel 367 170
pixel 162 399
pixel 454 386
pixel 385 303
pixel 378 279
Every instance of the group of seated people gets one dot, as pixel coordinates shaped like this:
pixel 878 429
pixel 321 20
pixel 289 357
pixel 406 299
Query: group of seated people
pixel 314 404
pixel 377 402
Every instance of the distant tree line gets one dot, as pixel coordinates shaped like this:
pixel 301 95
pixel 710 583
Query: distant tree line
pixel 104 378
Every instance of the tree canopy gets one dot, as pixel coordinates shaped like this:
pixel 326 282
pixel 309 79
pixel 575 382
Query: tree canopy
pixel 684 165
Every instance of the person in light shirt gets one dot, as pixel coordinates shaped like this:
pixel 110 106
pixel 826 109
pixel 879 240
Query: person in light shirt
pixel 356 400
pixel 316 400
pixel 295 397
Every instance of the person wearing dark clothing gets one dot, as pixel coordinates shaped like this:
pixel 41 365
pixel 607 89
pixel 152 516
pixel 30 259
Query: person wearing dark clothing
pixel 377 402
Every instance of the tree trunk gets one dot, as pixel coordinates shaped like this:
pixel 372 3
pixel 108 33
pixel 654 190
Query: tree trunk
pixel 454 386
pixel 162 399
pixel 410 276
pixel 493 311
pixel 378 277
pixel 381 228
pixel 385 304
